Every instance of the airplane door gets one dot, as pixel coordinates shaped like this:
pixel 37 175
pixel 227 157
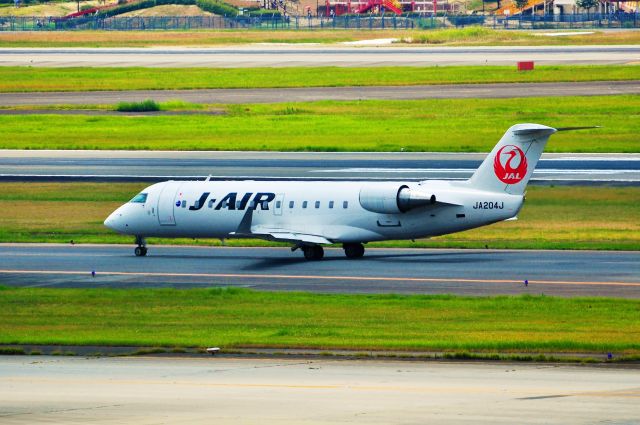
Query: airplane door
pixel 278 204
pixel 166 204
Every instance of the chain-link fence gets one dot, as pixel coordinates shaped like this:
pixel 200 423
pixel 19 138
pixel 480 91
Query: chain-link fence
pixel 364 22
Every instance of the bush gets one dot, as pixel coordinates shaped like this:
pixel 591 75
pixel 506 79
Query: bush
pixel 11 351
pixel 144 106
pixel 22 2
pixel 263 13
pixel 428 23
pixel 182 2
pixel 217 7
pixel 214 6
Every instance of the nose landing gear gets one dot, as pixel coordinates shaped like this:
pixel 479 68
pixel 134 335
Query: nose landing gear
pixel 141 249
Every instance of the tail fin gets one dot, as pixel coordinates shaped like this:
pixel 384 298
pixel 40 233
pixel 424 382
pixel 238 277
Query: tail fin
pixel 510 164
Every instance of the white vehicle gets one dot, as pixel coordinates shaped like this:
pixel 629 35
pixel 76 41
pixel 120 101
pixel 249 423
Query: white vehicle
pixel 309 214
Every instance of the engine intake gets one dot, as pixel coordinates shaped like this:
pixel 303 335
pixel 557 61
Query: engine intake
pixel 392 198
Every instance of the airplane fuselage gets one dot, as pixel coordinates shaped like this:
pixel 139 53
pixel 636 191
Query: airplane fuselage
pixel 216 209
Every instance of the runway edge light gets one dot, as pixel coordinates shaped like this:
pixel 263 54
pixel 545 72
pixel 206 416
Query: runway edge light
pixel 213 350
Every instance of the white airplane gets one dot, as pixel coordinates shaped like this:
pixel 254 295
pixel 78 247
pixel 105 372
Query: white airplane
pixel 310 214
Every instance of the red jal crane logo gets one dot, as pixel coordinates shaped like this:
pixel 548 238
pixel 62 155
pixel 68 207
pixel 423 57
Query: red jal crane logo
pixel 510 164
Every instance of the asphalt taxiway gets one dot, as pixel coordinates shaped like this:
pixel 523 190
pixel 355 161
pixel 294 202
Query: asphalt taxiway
pixel 309 94
pixel 317 55
pixel 424 271
pixel 43 389
pixel 46 165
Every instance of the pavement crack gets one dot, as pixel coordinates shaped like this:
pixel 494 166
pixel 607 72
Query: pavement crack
pixel 60 410
pixel 542 397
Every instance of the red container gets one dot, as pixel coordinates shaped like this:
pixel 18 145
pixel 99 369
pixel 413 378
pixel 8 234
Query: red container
pixel 525 66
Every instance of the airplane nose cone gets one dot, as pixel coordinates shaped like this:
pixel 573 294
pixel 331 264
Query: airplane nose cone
pixel 109 222
pixel 113 221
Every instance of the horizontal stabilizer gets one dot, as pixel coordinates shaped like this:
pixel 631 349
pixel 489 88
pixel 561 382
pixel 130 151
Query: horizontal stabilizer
pixel 577 128
pixel 545 131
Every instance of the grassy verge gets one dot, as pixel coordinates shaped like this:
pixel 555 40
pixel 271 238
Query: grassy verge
pixel 457 125
pixel 240 318
pixel 457 37
pixel 27 79
pixel 553 217
pixel 144 106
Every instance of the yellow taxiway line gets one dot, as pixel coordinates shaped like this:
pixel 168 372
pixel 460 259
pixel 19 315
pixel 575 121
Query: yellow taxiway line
pixel 316 277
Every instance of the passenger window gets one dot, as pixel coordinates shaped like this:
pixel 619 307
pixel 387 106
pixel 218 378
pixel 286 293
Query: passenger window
pixel 140 198
pixel 304 204
pixel 317 204
pixel 291 204
pixel 211 201
pixel 345 204
pixel 278 204
pixel 330 204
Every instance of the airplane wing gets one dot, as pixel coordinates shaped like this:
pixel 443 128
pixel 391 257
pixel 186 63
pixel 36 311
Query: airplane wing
pixel 282 235
pixel 247 230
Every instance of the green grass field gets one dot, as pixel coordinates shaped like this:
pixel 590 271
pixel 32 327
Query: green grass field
pixel 470 36
pixel 456 125
pixel 232 318
pixel 553 217
pixel 26 79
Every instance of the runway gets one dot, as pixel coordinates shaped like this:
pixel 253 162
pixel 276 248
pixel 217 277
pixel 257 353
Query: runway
pixel 410 271
pixel 148 390
pixel 316 55
pixel 28 165
pixel 309 94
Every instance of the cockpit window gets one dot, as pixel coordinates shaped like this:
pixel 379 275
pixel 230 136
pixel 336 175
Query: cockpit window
pixel 140 198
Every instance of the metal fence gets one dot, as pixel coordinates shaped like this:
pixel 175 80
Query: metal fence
pixel 364 22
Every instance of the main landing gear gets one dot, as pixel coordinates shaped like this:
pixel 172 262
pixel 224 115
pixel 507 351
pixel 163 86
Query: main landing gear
pixel 313 252
pixel 353 250
pixel 316 252
pixel 141 249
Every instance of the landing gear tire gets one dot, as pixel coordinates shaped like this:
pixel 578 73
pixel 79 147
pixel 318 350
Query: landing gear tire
pixel 313 252
pixel 140 251
pixel 353 250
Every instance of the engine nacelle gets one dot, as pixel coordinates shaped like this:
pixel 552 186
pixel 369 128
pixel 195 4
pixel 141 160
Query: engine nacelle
pixel 392 198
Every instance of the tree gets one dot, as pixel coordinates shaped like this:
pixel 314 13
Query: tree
pixel 520 4
pixel 586 4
